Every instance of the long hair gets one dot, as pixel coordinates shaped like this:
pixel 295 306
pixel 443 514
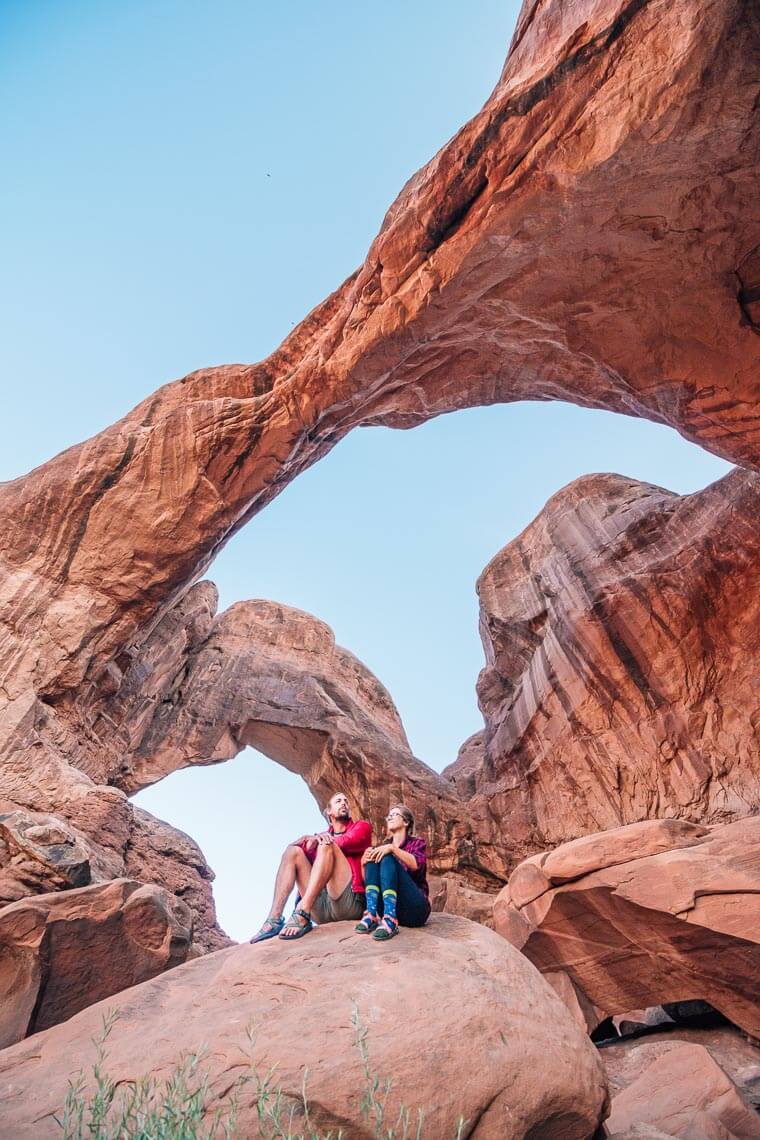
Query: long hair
pixel 407 817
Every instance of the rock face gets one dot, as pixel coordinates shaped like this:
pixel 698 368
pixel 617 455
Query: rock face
pixel 622 657
pixel 542 253
pixel 591 235
pixel 651 912
pixel 272 677
pixel 200 689
pixel 620 640
pixel 496 1036
pixel 626 1061
pixel 599 104
pixel 62 952
pixel 686 1094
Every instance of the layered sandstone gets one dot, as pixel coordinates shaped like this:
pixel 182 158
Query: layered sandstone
pixel 591 235
pixel 495 1036
pixel 202 687
pixel 652 912
pixel 622 658
pixel 542 253
pixel 60 953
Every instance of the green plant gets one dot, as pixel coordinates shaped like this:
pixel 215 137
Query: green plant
pixel 176 1108
pixel 146 1109
pixel 374 1103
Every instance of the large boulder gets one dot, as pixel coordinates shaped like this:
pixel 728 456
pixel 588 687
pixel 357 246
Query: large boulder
pixel 654 912
pixel 687 1095
pixel 62 952
pixel 625 1061
pixel 460 1022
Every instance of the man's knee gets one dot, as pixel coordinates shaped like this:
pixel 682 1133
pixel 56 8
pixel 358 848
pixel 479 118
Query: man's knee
pixel 292 852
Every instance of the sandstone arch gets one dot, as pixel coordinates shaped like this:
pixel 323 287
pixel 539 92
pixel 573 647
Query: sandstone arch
pixel 578 239
pixel 589 236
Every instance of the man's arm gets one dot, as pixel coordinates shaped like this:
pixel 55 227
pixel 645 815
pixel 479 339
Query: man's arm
pixel 307 843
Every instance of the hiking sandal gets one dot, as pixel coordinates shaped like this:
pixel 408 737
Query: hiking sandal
pixel 387 929
pixel 269 929
pixel 299 922
pixel 366 924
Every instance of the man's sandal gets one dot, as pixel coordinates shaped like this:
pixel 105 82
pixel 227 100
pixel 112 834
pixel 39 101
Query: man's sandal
pixel 299 922
pixel 367 924
pixel 387 929
pixel 270 929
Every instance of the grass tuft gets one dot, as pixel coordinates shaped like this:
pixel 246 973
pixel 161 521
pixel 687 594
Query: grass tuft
pixel 177 1108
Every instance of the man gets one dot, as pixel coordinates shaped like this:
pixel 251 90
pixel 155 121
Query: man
pixel 327 868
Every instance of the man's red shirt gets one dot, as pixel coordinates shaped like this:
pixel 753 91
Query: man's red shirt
pixel 353 842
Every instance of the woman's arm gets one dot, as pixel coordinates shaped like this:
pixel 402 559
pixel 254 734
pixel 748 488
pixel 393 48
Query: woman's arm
pixel 404 857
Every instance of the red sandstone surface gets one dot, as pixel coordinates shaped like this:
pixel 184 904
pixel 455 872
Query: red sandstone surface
pixel 493 1037
pixel 62 952
pixel 655 911
pixel 591 235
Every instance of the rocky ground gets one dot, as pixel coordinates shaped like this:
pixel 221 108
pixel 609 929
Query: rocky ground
pixel 592 235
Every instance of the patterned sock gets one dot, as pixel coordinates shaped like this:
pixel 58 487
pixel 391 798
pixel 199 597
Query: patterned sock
pixel 373 894
pixel 389 904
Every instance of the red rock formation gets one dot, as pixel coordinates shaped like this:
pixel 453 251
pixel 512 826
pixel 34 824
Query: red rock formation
pixel 495 1036
pixel 626 1061
pixel 203 687
pixel 587 236
pixel 655 911
pixel 272 677
pixel 590 235
pixel 620 684
pixel 40 853
pixel 158 853
pixel 686 1094
pixel 61 952
pixel 620 632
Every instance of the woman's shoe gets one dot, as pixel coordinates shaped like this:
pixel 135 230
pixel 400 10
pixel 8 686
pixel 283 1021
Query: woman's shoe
pixel 367 923
pixel 270 929
pixel 387 929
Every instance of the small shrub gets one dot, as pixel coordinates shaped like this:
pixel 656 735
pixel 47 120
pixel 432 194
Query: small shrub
pixel 176 1108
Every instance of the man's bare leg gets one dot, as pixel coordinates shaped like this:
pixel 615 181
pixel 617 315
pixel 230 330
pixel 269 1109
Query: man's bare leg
pixel 331 869
pixel 294 869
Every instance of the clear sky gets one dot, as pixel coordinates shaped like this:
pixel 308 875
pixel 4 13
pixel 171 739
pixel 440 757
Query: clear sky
pixel 182 182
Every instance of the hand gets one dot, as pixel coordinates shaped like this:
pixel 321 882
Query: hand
pixel 325 839
pixel 367 856
pixel 379 853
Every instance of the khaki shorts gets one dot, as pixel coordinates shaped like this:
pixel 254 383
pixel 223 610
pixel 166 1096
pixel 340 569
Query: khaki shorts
pixel 348 905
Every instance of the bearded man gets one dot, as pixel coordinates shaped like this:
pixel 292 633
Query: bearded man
pixel 327 870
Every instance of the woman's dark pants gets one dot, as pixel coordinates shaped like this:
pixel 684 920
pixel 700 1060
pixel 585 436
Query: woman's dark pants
pixel 412 908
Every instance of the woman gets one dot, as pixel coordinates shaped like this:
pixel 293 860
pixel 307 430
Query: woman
pixel 395 879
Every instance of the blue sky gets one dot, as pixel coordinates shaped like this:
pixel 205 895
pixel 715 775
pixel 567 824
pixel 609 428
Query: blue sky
pixel 182 183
